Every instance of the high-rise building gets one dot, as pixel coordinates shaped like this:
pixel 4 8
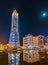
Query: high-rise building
pixel 30 41
pixel 41 41
pixel 35 41
pixel 46 43
pixel 27 41
pixel 14 35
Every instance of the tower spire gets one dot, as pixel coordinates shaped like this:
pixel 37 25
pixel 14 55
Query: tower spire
pixel 15 13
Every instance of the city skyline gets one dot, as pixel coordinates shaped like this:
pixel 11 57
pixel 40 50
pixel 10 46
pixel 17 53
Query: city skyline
pixel 23 32
pixel 31 18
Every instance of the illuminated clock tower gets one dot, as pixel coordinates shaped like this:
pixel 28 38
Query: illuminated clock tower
pixel 14 35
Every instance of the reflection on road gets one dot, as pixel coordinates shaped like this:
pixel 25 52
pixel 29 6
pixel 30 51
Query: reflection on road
pixel 13 58
pixel 29 56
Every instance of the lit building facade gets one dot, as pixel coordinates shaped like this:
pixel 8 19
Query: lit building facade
pixel 14 35
pixel 30 41
pixel 46 43
pixel 41 41
pixel 35 41
pixel 27 41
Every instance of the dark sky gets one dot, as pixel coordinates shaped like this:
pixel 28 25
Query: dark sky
pixel 30 17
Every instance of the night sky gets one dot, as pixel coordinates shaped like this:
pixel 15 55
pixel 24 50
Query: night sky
pixel 31 19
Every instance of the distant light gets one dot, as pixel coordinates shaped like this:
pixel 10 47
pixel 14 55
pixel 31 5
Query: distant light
pixel 44 14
